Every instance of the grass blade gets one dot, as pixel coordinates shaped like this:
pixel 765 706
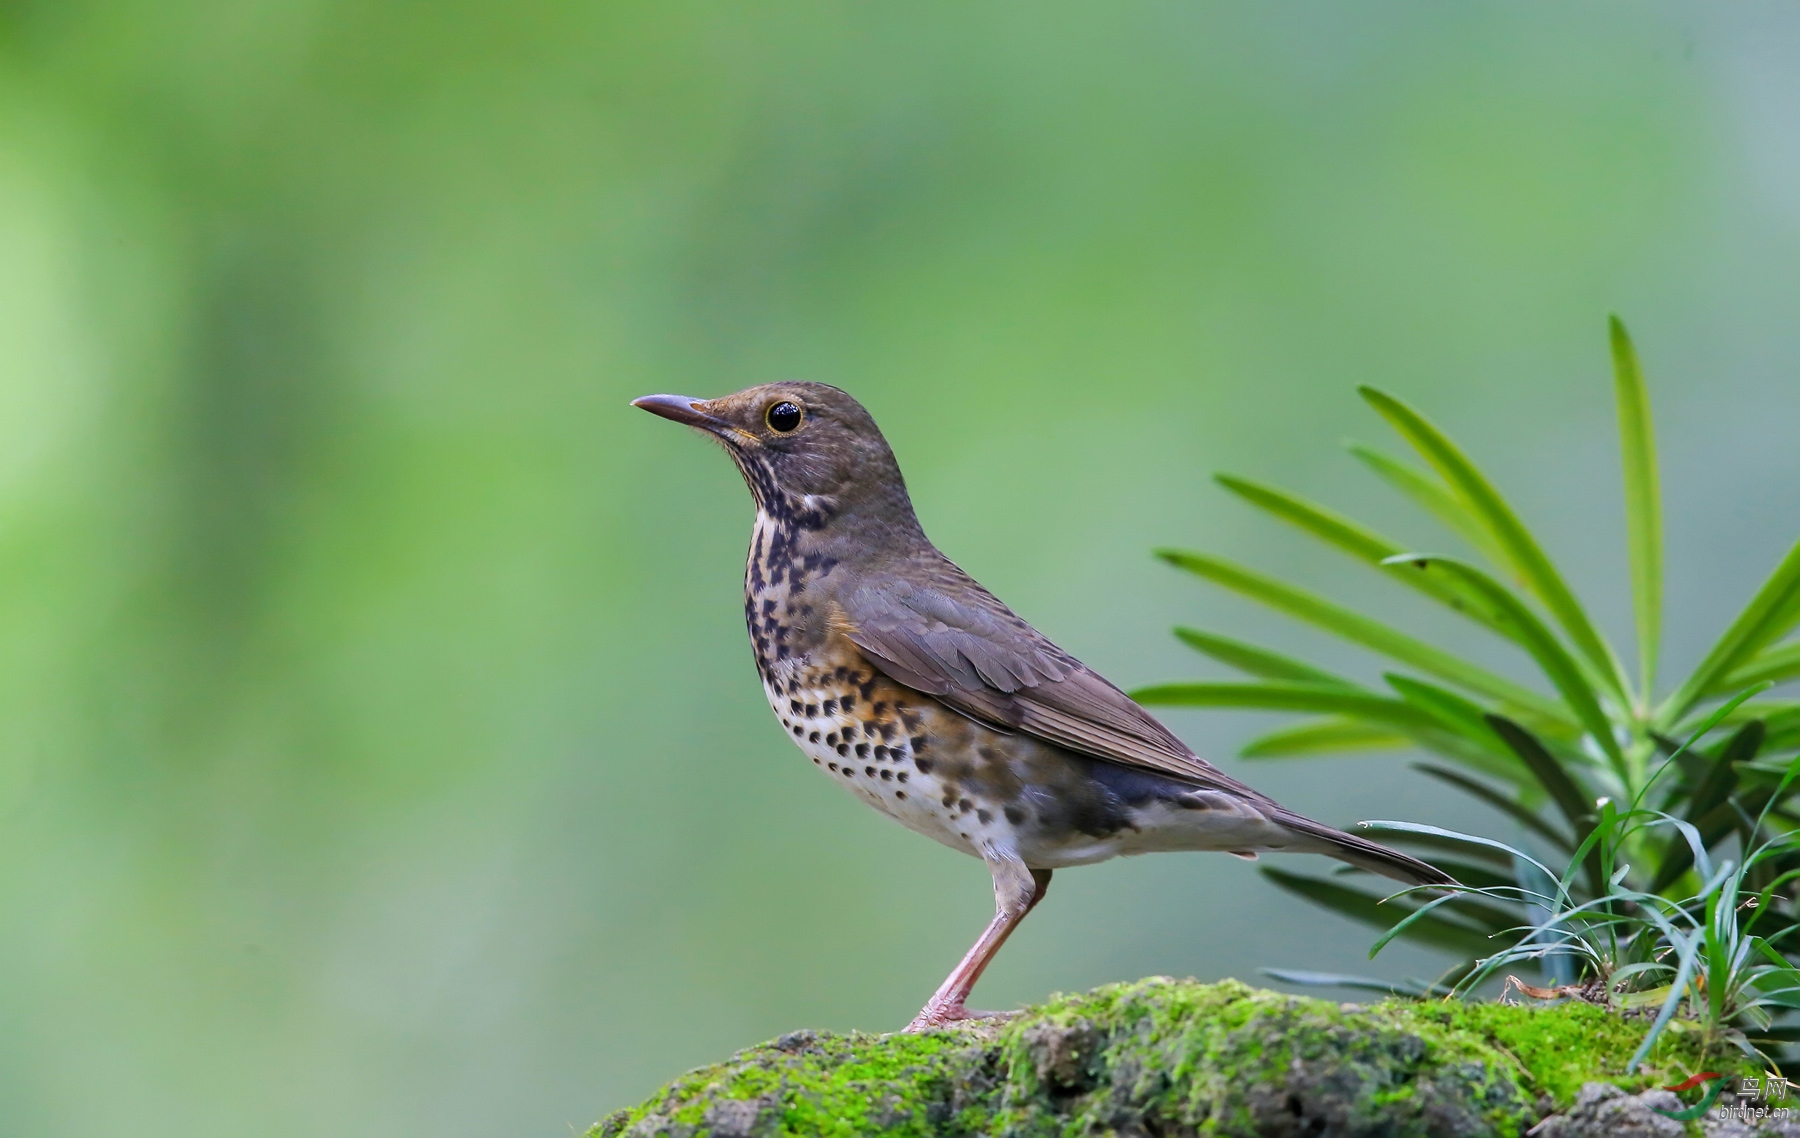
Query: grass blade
pixel 1683 976
pixel 1434 498
pixel 1526 558
pixel 1431 846
pixel 1693 853
pixel 1576 806
pixel 1359 629
pixel 1324 737
pixel 1713 788
pixel 1643 500
pixel 1423 912
pixel 1476 876
pixel 1250 659
pixel 1436 836
pixel 1549 653
pixel 1356 539
pixel 1370 910
pixel 1759 624
pixel 1719 715
pixel 1498 801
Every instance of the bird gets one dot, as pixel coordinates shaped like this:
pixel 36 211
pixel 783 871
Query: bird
pixel 910 685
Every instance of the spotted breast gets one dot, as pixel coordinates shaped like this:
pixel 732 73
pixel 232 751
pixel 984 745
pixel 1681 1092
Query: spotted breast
pixel 872 736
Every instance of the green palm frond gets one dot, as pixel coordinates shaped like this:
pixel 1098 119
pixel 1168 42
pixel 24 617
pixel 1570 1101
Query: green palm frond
pixel 1583 739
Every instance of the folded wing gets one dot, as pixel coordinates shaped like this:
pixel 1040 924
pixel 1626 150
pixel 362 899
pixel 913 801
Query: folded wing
pixel 940 632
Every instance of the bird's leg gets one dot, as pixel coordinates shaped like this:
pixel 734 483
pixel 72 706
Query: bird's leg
pixel 1017 890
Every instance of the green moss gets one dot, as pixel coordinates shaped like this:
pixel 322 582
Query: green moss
pixel 1559 1048
pixel 1228 1059
pixel 818 1084
pixel 1172 1056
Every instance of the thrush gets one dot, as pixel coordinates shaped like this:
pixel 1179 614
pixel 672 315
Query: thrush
pixel 918 691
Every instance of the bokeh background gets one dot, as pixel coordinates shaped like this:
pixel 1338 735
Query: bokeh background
pixel 379 748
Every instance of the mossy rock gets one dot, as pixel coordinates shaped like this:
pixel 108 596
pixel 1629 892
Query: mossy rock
pixel 1169 1057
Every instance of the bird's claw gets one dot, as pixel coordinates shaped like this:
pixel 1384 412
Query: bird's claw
pixel 930 1018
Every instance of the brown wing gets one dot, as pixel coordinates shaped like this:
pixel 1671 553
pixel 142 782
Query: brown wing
pixel 934 629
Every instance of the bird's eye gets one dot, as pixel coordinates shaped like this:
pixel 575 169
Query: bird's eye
pixel 784 416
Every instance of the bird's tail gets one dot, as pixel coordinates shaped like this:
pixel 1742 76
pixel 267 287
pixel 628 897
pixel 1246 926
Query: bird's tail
pixel 1362 853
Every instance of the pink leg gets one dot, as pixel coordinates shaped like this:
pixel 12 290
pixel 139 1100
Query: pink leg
pixel 1017 890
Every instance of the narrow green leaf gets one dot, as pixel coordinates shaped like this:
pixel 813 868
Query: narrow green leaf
pixel 1358 629
pixel 1527 818
pixel 1422 834
pixel 1522 551
pixel 1784 622
pixel 1784 729
pixel 1683 976
pixel 1717 824
pixel 1464 734
pixel 1721 779
pixel 1476 876
pixel 1325 699
pixel 1755 627
pixel 1422 913
pixel 1359 906
pixel 1586 858
pixel 1704 802
pixel 1458 715
pixel 1350 536
pixel 1727 712
pixel 1495 856
pixel 1549 653
pixel 1390 731
pixel 1435 498
pixel 1784 740
pixel 1574 802
pixel 1250 659
pixel 1492 920
pixel 1775 712
pixel 1357 540
pixel 1643 500
pixel 1778 664
pixel 1324 737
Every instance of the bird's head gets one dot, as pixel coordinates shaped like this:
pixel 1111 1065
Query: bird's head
pixel 810 454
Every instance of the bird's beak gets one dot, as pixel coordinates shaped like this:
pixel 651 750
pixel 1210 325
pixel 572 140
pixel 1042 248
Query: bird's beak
pixel 682 409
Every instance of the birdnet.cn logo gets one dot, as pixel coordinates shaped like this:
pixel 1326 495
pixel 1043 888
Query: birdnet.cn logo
pixel 1751 1097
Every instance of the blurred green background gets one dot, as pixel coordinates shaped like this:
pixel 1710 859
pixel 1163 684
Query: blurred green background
pixel 380 752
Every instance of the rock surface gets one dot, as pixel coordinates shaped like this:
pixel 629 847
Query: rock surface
pixel 1602 1110
pixel 1164 1057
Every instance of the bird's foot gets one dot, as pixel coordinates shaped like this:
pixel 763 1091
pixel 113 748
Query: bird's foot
pixel 936 1015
